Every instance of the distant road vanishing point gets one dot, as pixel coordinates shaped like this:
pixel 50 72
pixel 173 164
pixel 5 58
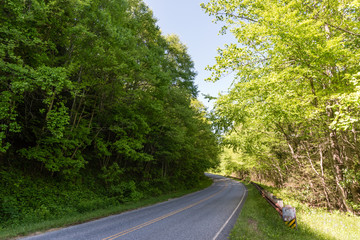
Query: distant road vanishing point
pixel 208 214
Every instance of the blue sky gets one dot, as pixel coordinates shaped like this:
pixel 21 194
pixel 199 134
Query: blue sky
pixel 196 30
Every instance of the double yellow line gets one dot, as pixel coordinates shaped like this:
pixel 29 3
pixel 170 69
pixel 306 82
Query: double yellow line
pixel 160 218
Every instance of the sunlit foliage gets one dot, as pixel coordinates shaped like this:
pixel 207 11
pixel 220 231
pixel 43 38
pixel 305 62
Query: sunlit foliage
pixel 294 109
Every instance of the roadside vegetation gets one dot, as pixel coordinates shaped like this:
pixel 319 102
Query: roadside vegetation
pixel 258 220
pixel 81 209
pixel 97 109
pixel 292 115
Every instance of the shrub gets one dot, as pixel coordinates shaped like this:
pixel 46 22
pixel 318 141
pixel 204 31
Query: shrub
pixel 125 191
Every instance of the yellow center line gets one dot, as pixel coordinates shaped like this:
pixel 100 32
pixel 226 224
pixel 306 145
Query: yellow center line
pixel 161 217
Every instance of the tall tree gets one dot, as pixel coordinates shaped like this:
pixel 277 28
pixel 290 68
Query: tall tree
pixel 296 95
pixel 89 85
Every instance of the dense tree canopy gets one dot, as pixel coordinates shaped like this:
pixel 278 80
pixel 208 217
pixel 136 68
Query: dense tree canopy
pixel 293 114
pixel 92 88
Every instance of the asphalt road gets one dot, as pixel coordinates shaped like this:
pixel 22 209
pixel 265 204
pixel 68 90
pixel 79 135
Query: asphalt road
pixel 206 214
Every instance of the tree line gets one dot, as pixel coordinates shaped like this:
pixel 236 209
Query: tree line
pixel 292 117
pixel 92 94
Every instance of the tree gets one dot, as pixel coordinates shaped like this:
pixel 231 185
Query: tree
pixel 296 70
pixel 89 85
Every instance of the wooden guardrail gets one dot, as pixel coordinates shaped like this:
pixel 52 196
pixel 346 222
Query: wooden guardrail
pixel 275 202
pixel 287 213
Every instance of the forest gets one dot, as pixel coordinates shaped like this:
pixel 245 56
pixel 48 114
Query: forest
pixel 97 108
pixel 292 117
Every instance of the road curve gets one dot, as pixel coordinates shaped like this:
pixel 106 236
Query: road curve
pixel 206 214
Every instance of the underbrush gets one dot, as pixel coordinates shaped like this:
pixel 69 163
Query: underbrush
pixel 258 220
pixel 29 204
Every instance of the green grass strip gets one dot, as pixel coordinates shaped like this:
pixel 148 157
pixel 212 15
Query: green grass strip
pixel 258 220
pixel 76 218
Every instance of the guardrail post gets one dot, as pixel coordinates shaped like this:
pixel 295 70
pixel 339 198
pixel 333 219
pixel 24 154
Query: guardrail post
pixel 289 216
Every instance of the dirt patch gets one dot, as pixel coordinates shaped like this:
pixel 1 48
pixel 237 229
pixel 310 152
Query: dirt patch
pixel 253 224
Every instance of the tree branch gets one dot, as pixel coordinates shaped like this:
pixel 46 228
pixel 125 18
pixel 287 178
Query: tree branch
pixel 236 16
pixel 344 30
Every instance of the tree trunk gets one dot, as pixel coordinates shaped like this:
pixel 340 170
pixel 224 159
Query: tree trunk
pixel 338 164
pixel 323 182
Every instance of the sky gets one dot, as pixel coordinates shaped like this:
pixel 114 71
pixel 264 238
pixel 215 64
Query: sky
pixel 196 30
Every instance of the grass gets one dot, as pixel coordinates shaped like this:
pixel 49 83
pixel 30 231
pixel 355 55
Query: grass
pixel 258 220
pixel 76 218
